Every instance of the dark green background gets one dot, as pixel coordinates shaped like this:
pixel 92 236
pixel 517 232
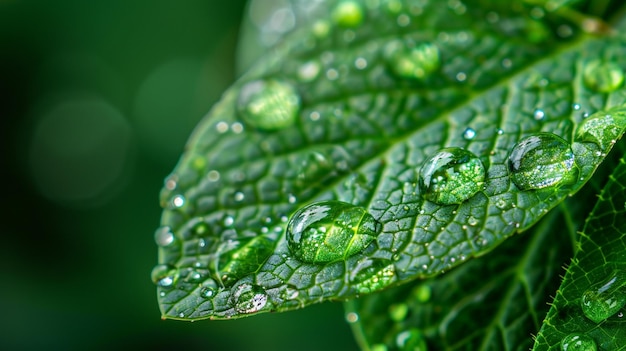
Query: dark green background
pixel 80 185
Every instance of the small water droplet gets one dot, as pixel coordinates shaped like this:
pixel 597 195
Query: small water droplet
pixel 605 299
pixel 171 182
pixel 291 199
pixel 309 71
pixel 332 74
pixel 178 201
pixel 208 289
pixel 320 29
pixel 329 231
pixel 352 317
pixel 270 104
pixel 469 134
pixel 576 107
pixel 239 196
pixel 412 61
pixel 539 114
pixel 221 127
pixel 348 14
pixel 410 340
pixel 542 160
pixel 248 298
pixel 603 76
pixel 213 176
pixel 236 127
pixel 461 76
pixel 164 275
pixel 578 342
pixel 360 63
pixel 164 237
pixel 228 221
pixel 602 128
pixel 451 176
pixel 398 311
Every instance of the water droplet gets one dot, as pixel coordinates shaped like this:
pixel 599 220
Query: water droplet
pixel 410 340
pixel 309 71
pixel 178 201
pixel 352 317
pixel 603 76
pixel 239 196
pixel 237 128
pixel 602 128
pixel 409 61
pixel 398 312
pixel 422 293
pixel 576 107
pixel 228 221
pixel 360 63
pixel 248 298
pixel 321 28
pixel 268 104
pixel 461 76
pixel 348 14
pixel 469 134
pixel 605 299
pixel 208 289
pixel 213 176
pixel 578 342
pixel 539 114
pixel 373 275
pixel 164 236
pixel 164 275
pixel 542 160
pixel 291 199
pixel 171 182
pixel 289 293
pixel 329 231
pixel 451 176
pixel 221 127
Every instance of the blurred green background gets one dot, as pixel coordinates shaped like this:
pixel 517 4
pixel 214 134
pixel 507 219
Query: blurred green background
pixel 97 100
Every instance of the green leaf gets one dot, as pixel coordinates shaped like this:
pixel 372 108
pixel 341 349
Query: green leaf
pixel 362 107
pixel 591 300
pixel 493 302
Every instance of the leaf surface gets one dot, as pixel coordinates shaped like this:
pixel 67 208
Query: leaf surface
pixel 363 129
pixel 600 259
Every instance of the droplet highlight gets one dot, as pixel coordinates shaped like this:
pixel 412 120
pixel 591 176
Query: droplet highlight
pixel 411 61
pixel 605 299
pixel 540 161
pixel 268 104
pixel 603 76
pixel 329 231
pixel 451 176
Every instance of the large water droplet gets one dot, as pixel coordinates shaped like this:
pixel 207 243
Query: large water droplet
pixel 603 76
pixel 542 160
pixel 451 176
pixel 605 299
pixel 248 298
pixel 164 275
pixel 602 128
pixel 578 342
pixel 348 14
pixel 164 236
pixel 329 231
pixel 268 104
pixel 410 340
pixel 412 61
